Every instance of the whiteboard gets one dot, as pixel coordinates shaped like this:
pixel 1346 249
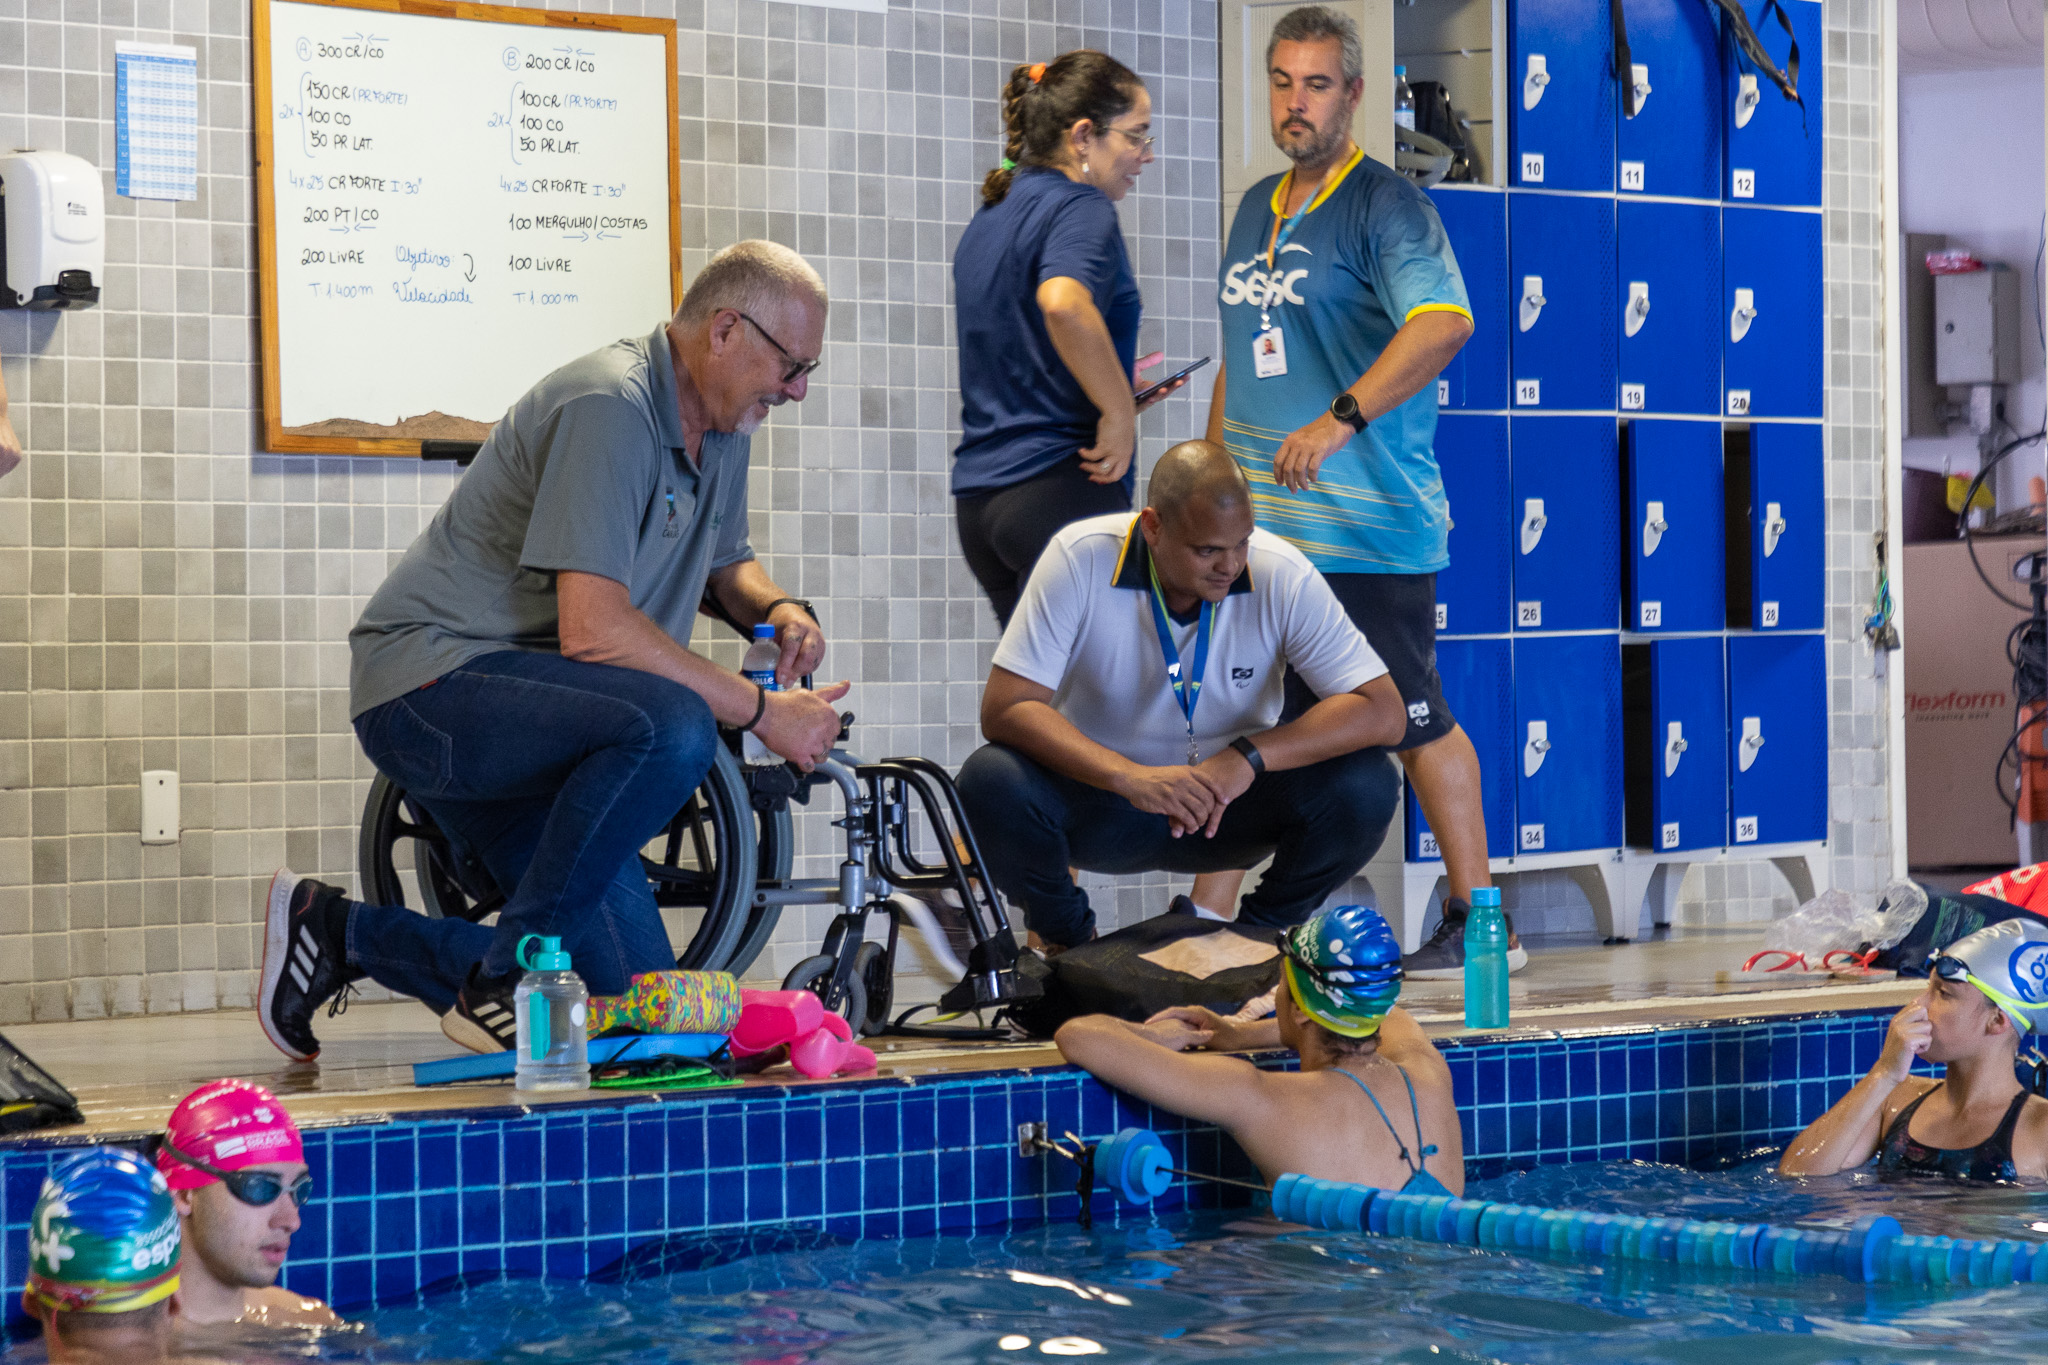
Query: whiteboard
pixel 453 200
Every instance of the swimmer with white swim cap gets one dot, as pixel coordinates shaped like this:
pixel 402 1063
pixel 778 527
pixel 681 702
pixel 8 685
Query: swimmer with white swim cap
pixel 1977 1123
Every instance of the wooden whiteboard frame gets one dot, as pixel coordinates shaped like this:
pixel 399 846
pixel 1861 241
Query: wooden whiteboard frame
pixel 275 438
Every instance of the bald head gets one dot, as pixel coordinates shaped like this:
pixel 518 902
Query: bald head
pixel 1196 474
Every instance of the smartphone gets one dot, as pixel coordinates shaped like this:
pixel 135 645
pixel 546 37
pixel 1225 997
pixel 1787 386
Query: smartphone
pixel 1145 394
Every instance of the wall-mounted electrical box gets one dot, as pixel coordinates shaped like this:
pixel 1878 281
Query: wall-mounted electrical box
pixel 1977 327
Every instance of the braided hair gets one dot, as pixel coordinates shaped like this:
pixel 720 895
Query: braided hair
pixel 1041 101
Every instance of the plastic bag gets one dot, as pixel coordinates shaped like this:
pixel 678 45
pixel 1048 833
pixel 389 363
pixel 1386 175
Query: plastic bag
pixel 1835 919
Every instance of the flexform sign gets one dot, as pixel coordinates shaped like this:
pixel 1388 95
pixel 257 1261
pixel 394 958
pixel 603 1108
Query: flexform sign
pixel 1955 705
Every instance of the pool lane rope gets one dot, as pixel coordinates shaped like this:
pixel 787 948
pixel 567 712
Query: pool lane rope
pixel 1874 1249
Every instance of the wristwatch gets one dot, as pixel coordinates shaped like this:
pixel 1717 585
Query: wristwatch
pixel 789 601
pixel 1345 410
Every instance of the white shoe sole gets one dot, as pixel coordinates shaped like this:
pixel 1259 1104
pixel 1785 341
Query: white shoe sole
pixel 277 946
pixel 466 1032
pixel 1518 958
pixel 931 938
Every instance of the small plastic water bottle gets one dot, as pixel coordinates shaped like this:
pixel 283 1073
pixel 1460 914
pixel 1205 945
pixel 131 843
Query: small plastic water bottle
pixel 552 1007
pixel 1486 961
pixel 1404 100
pixel 759 667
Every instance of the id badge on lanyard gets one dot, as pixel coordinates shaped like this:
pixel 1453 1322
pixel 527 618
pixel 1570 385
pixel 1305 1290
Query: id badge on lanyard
pixel 1269 344
pixel 1184 684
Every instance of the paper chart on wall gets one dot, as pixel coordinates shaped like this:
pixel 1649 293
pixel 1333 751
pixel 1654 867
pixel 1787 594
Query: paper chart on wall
pixel 457 205
pixel 156 121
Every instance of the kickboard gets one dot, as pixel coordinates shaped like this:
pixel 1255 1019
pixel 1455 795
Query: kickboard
pixel 603 1052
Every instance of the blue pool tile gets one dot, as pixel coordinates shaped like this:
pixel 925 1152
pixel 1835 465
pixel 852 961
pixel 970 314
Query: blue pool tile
pixel 397 1171
pixel 562 1148
pixel 725 1138
pixel 604 1208
pixel 919 1179
pixel 686 1203
pixel 764 1136
pixel 917 1116
pixel 1582 1073
pixel 1551 1075
pixel 954 1119
pixel 726 1202
pixel 604 1147
pixel 562 1210
pixel 880 1184
pixel 1521 1129
pixel 646 1209
pixel 646 1143
pixel 685 1139
pixel 349 1166
pixel 1551 1128
pixel 349 1284
pixel 440 1221
pixel 880 1133
pixel 803 1191
pixel 397 1226
pixel 439 1267
pixel 1492 1128
pixel 482 1261
pixel 310 1241
pixel 764 1195
pixel 349 1228
pixel 480 1211
pixel 522 1149
pixel 566 1260
pixel 919 1222
pixel 525 1258
pixel 803 1132
pixel 438 1162
pixel 525 1213
pixel 842 1125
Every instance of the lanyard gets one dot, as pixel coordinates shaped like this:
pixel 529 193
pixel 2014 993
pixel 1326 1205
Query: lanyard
pixel 1187 690
pixel 1285 230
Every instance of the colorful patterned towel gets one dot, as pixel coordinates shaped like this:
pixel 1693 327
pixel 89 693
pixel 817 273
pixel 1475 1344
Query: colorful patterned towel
pixel 669 1002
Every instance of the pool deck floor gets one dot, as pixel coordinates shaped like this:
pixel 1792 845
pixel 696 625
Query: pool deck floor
pixel 129 1072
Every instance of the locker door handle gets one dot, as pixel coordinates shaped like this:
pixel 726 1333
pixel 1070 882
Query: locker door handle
pixel 1752 740
pixel 1537 746
pixel 1638 311
pixel 1747 96
pixel 1532 300
pixel 1774 526
pixel 1533 522
pixel 1744 313
pixel 1654 527
pixel 1639 77
pixel 1674 746
pixel 1538 76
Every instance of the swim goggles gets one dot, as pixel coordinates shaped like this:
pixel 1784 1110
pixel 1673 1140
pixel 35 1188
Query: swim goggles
pixel 1342 981
pixel 258 1189
pixel 1955 969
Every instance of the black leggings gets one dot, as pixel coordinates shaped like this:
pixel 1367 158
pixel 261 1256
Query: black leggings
pixel 1002 533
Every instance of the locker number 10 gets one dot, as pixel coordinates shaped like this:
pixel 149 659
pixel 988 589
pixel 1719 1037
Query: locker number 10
pixel 1532 168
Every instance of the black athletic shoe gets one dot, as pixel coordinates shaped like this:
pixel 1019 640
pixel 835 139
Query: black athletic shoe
pixel 305 961
pixel 482 1019
pixel 1442 956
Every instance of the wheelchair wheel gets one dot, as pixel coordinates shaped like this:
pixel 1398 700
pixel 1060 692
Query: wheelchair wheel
pixel 849 999
pixel 778 854
pixel 702 873
pixel 877 974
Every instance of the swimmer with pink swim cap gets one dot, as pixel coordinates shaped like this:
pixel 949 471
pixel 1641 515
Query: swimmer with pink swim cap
pixel 237 1173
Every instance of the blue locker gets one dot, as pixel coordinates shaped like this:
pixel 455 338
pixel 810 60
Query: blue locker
pixel 1777 738
pixel 1566 536
pixel 1669 322
pixel 1478 684
pixel 1772 305
pixel 1776 526
pixel 1561 301
pixel 1476 221
pixel 1561 94
pixel 1475 596
pixel 1568 785
pixel 1675 516
pixel 1773 146
pixel 1674 707
pixel 1673 144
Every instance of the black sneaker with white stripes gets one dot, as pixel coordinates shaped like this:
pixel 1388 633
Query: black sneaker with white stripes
pixel 305 961
pixel 482 1019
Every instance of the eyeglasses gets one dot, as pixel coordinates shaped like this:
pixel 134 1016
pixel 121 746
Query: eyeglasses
pixel 797 368
pixel 1145 140
pixel 258 1189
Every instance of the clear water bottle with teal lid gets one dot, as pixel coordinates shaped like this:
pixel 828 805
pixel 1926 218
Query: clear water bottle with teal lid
pixel 1486 961
pixel 1404 100
pixel 552 1008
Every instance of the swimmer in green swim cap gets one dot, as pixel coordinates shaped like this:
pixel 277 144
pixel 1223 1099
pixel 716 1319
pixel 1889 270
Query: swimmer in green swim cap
pixel 1977 1123
pixel 103 1259
pixel 1340 974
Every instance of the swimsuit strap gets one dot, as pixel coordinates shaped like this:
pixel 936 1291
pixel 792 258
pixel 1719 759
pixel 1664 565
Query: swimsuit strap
pixel 2002 1139
pixel 1898 1128
pixel 1414 1167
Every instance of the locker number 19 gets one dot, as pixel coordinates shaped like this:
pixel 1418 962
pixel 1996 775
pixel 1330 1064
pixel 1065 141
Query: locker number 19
pixel 1745 829
pixel 1632 398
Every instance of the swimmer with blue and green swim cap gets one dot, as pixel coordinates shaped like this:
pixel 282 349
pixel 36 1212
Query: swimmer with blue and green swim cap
pixel 1372 1101
pixel 103 1251
pixel 1985 993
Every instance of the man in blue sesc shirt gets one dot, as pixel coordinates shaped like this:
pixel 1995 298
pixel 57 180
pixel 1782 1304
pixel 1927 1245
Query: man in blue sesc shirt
pixel 1340 302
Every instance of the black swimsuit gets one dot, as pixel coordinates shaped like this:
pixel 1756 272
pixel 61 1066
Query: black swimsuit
pixel 1989 1161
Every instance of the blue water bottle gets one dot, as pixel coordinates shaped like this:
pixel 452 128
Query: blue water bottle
pixel 759 667
pixel 1486 961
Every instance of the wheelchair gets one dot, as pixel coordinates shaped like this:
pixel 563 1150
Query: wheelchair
pixel 720 874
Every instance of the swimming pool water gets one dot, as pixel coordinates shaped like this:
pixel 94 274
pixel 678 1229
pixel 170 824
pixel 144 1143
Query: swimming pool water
pixel 1227 1286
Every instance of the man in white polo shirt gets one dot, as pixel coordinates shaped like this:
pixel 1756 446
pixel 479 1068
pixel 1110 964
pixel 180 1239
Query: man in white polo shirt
pixel 1131 714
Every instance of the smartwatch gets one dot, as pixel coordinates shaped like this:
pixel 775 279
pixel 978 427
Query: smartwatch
pixel 1345 410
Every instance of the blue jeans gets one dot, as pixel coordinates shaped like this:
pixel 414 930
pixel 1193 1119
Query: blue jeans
pixel 1320 823
pixel 553 773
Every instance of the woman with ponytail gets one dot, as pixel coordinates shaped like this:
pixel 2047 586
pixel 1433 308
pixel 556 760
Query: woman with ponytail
pixel 1048 315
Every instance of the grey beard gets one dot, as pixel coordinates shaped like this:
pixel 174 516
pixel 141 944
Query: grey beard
pixel 1318 148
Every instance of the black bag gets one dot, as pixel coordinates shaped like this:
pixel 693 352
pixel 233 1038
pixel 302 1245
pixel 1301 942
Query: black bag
pixel 1950 915
pixel 1110 975
pixel 30 1097
pixel 1435 118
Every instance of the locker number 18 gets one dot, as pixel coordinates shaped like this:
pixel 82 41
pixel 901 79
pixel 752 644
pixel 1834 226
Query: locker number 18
pixel 1528 393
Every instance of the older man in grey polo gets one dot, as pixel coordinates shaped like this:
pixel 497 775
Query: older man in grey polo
pixel 524 671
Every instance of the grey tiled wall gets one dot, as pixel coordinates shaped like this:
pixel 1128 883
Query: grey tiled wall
pixel 171 596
